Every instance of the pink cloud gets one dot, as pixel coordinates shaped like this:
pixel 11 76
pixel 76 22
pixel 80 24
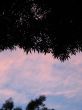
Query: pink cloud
pixel 76 59
pixel 7 93
pixel 37 74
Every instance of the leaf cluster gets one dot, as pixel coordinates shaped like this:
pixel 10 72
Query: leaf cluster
pixel 41 25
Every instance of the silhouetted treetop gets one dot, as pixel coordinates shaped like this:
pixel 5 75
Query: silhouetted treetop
pixel 8 105
pixel 37 104
pixel 41 25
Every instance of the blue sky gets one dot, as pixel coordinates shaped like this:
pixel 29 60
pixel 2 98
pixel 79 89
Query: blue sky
pixel 25 77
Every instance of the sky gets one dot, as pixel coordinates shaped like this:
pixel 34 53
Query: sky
pixel 25 77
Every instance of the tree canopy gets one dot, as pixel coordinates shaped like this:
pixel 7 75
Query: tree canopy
pixel 41 25
pixel 36 104
pixel 8 105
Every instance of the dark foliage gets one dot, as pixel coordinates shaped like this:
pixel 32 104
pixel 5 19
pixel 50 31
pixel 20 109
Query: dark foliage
pixel 42 25
pixel 8 105
pixel 37 104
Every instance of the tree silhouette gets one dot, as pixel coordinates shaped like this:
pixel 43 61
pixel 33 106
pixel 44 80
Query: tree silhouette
pixel 8 105
pixel 34 104
pixel 37 104
pixel 41 25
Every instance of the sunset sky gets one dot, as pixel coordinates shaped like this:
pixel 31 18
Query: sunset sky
pixel 25 77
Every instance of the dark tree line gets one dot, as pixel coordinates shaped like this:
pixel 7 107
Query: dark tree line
pixel 37 104
pixel 47 26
